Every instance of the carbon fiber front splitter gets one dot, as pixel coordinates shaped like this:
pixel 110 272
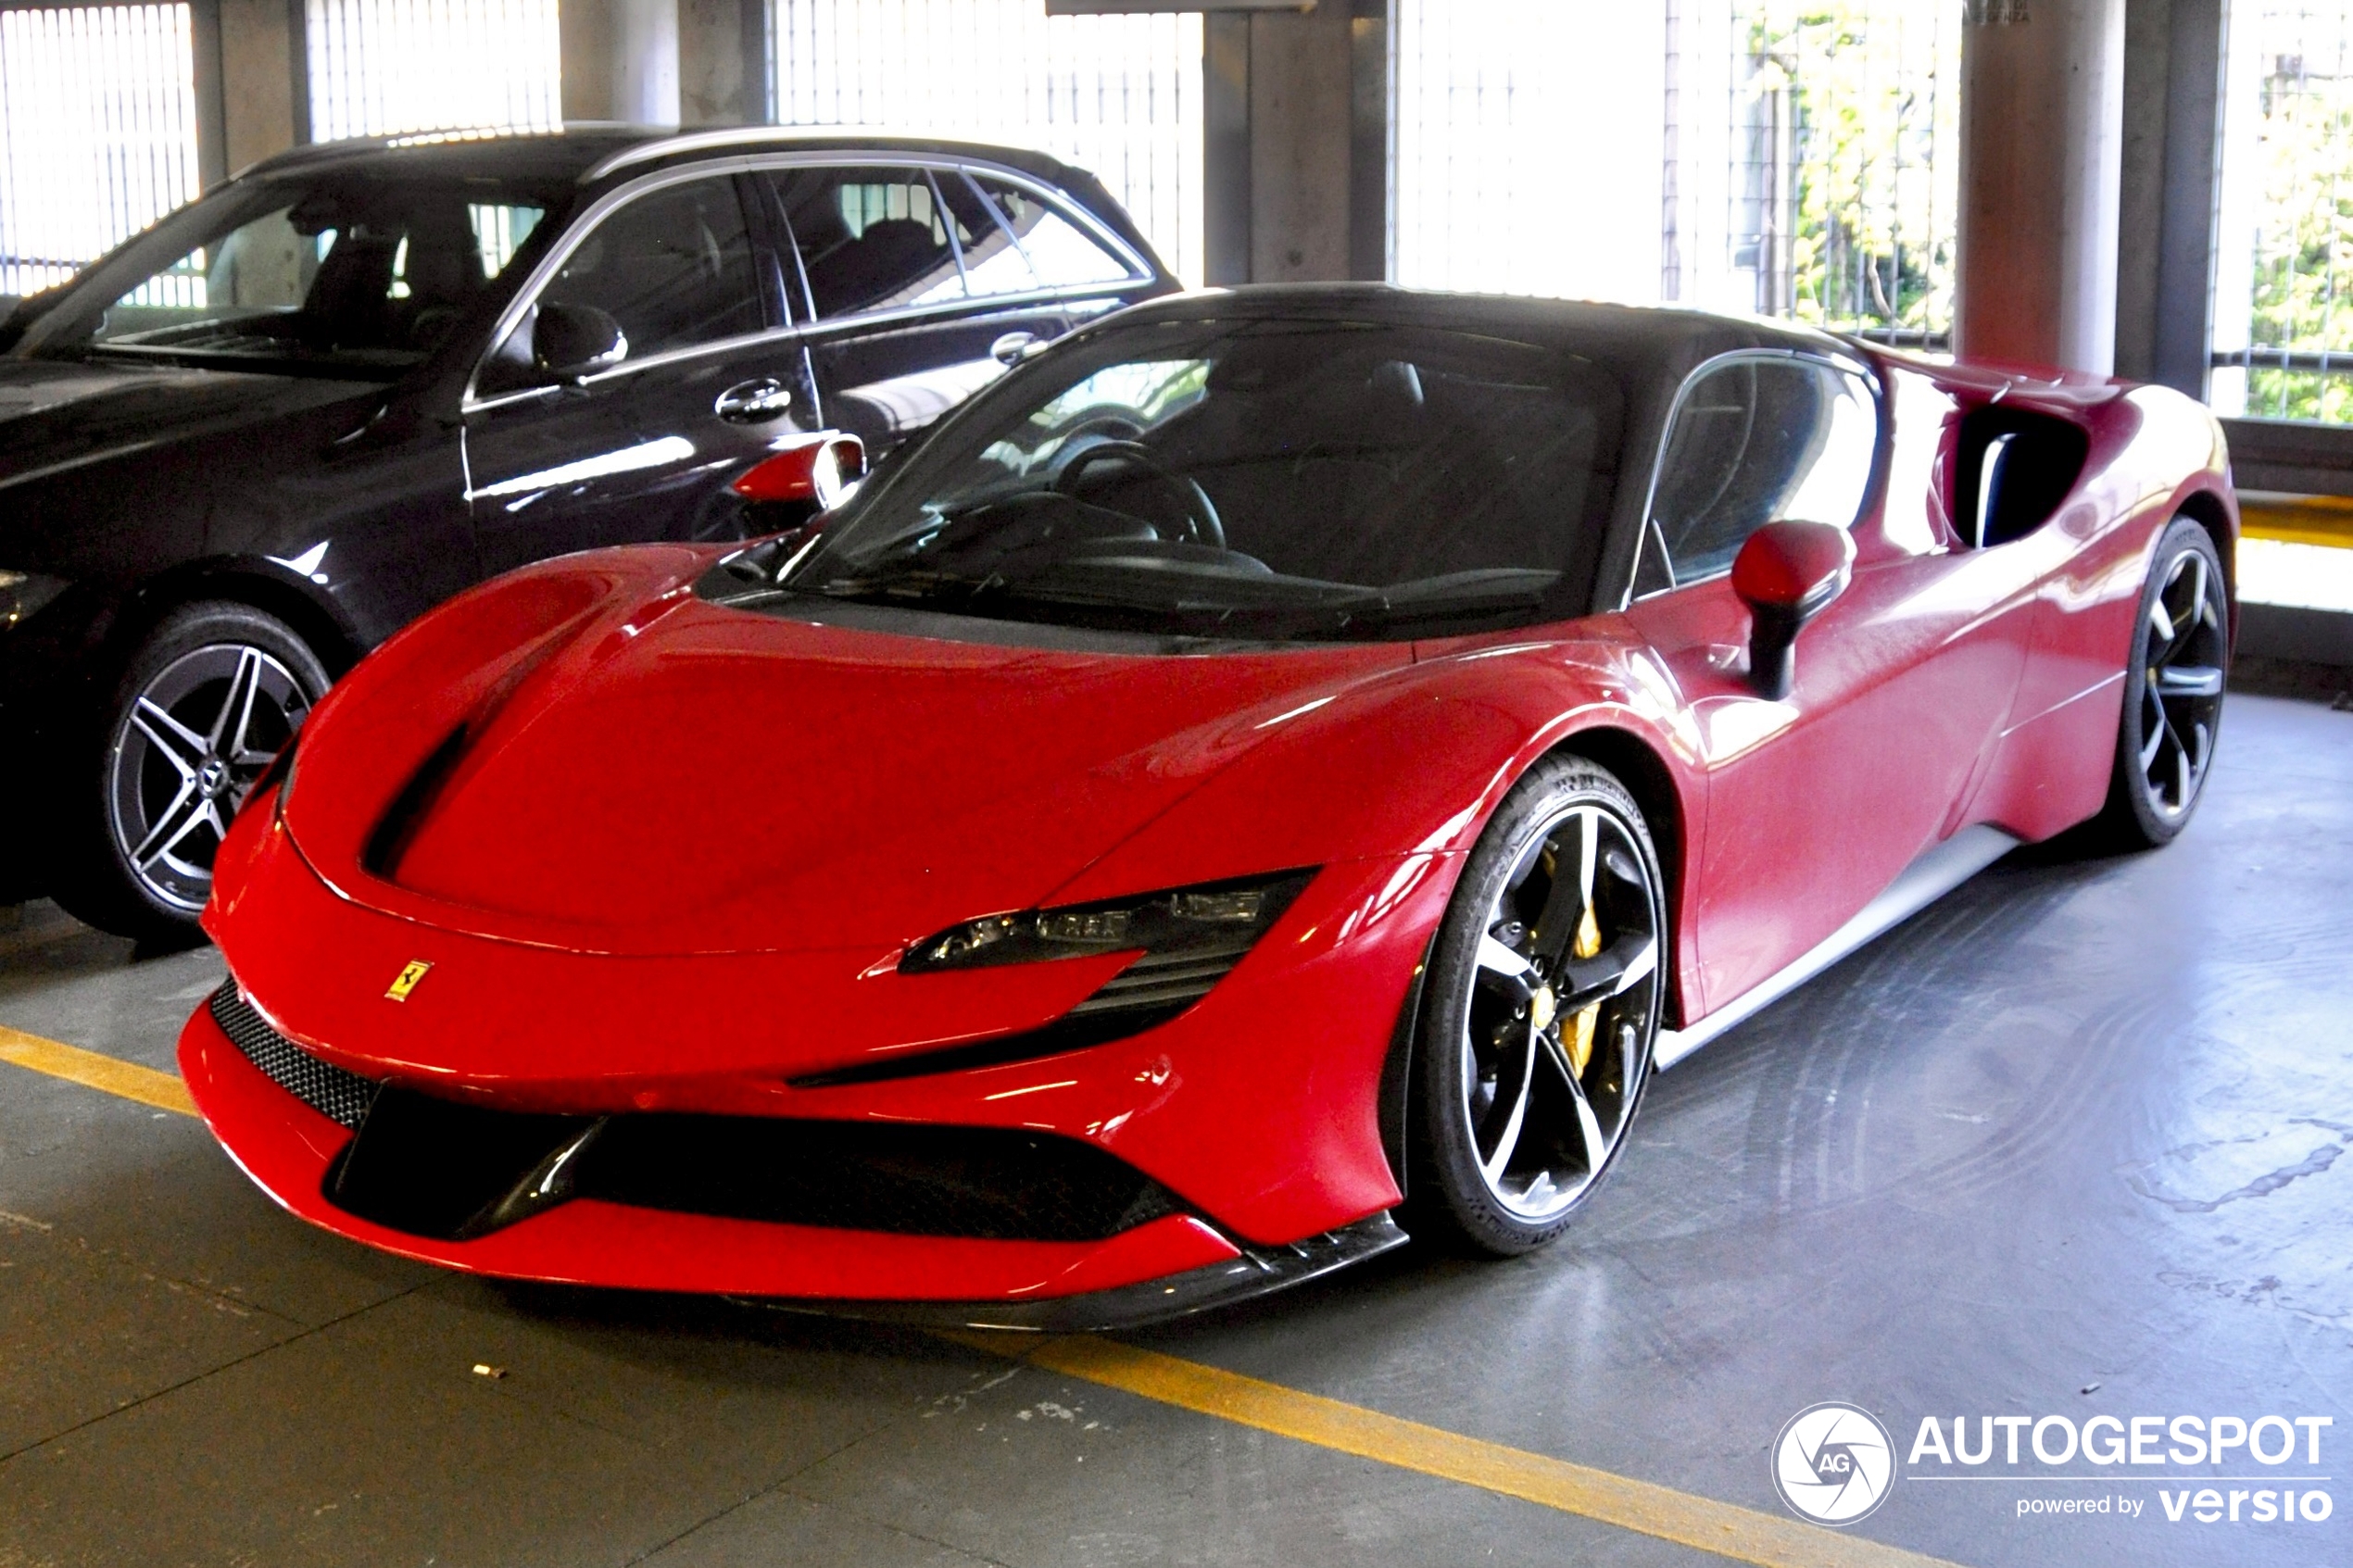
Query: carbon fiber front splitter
pixel 1259 1270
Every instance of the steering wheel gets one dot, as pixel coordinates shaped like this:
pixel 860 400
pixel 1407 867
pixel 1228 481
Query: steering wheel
pixel 1201 513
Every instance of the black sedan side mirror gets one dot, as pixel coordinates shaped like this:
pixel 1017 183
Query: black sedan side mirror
pixel 569 342
pixel 1786 575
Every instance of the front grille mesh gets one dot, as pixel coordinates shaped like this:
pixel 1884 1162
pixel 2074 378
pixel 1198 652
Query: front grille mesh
pixel 987 1183
pixel 331 1091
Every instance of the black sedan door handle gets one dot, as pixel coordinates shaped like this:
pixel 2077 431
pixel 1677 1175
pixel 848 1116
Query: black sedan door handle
pixel 754 402
pixel 1012 347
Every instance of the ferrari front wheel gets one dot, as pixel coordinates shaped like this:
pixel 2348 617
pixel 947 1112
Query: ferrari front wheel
pixel 2172 691
pixel 1540 1008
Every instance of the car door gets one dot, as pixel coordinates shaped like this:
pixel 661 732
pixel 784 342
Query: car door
pixel 710 377
pixel 1816 802
pixel 921 289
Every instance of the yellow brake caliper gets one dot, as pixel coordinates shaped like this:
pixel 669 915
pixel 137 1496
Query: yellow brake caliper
pixel 1580 1042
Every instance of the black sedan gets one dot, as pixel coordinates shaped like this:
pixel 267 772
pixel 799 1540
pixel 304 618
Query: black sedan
pixel 255 440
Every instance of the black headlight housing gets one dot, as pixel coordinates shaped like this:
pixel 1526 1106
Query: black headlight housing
pixel 1184 939
pixel 1204 921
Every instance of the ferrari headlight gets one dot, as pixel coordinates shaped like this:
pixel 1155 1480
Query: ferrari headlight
pixel 1204 921
pixel 22 593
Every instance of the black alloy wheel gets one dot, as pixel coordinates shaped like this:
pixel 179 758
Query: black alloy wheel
pixel 1542 1005
pixel 205 703
pixel 2173 689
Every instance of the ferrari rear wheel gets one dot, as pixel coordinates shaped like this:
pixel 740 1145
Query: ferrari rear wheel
pixel 2172 691
pixel 1541 1004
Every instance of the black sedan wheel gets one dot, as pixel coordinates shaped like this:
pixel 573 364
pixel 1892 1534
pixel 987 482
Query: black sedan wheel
pixel 1543 1001
pixel 207 701
pixel 2172 691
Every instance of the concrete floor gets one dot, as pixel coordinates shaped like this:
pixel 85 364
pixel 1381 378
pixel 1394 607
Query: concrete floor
pixel 2061 1144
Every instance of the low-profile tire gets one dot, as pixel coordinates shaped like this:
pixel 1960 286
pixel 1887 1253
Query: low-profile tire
pixel 1539 1011
pixel 201 708
pixel 2173 685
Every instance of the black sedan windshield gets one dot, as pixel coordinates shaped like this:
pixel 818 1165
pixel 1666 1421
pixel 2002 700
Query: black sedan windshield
pixel 1265 480
pixel 342 273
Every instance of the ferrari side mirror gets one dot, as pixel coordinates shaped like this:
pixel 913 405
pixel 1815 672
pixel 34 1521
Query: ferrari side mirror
pixel 823 467
pixel 811 475
pixel 1786 573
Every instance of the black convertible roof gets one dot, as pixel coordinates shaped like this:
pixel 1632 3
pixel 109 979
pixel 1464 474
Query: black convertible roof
pixel 1583 326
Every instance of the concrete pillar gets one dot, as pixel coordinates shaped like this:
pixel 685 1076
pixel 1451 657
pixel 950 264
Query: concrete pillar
pixel 2173 102
pixel 2042 144
pixel 723 62
pixel 249 84
pixel 1297 144
pixel 620 60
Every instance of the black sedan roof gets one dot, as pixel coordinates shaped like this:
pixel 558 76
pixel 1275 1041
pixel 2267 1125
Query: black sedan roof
pixel 587 151
pixel 588 154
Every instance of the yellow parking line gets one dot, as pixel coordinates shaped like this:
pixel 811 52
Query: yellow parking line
pixel 162 1090
pixel 1741 1534
pixel 1719 1528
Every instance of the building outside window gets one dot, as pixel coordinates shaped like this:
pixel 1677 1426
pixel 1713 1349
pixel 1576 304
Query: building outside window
pixel 1118 96
pixel 97 133
pixel 1794 159
pixel 383 69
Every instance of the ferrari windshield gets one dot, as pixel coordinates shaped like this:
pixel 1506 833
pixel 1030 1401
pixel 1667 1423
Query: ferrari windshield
pixel 342 273
pixel 1264 480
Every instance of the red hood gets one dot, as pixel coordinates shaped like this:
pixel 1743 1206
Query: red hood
pixel 663 774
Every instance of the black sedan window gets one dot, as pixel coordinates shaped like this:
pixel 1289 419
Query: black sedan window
pixel 367 276
pixel 673 268
pixel 878 239
pixel 1267 480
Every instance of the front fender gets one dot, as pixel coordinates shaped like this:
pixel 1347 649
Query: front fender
pixel 1413 762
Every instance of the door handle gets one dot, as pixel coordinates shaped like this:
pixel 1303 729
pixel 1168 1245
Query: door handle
pixel 754 402
pixel 1014 348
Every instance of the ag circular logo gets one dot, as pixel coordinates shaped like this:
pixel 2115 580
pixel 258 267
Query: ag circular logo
pixel 1833 1463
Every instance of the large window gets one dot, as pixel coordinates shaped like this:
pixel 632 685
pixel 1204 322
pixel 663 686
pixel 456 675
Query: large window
pixel 1794 159
pixel 2283 303
pixel 1119 95
pixel 379 69
pixel 97 133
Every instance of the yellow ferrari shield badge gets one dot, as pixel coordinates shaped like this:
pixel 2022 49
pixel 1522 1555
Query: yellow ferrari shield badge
pixel 407 980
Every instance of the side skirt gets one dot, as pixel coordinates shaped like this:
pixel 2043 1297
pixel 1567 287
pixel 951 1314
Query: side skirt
pixel 1926 879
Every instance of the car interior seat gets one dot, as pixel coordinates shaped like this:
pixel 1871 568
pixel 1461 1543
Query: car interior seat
pixel 858 274
pixel 443 274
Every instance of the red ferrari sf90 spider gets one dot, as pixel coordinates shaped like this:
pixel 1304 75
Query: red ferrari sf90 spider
pixel 1276 771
